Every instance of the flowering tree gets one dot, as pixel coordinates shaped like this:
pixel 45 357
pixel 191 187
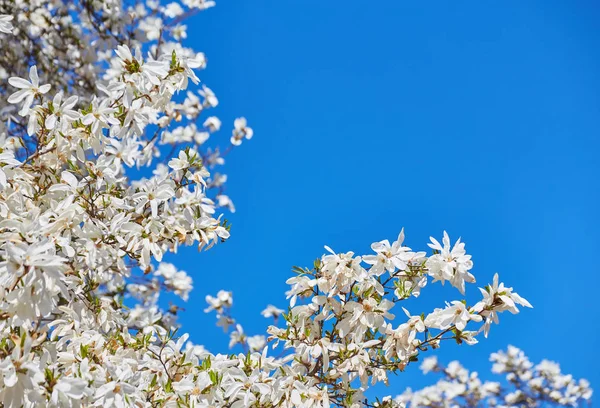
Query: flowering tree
pixel 528 385
pixel 92 89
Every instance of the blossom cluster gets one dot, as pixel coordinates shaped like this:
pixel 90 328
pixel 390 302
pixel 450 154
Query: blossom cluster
pixel 340 335
pixel 107 163
pixel 525 385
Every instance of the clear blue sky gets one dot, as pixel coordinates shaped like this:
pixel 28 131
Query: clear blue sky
pixel 478 117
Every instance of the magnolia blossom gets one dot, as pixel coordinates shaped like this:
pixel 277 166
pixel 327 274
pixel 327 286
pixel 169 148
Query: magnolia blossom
pixel 241 130
pixel 27 90
pixel 178 281
pixel 5 25
pixel 450 263
pixel 222 300
pixel 212 123
pixel 62 110
pixel 389 257
pixel 272 311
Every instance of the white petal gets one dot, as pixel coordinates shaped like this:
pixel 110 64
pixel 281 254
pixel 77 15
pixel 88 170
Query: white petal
pixel 33 75
pixel 19 82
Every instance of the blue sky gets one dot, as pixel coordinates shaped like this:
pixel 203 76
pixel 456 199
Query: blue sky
pixel 478 117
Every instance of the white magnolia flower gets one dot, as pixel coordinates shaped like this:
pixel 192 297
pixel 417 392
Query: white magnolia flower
pixel 5 25
pixel 28 90
pixel 185 160
pixel 199 4
pixel 450 263
pixel 62 110
pixel 100 117
pixel 223 299
pixel 389 257
pixel 213 124
pixel 429 364
pixel 210 99
pixel 455 313
pixel 152 27
pixel 7 161
pixel 172 10
pixel 496 299
pixel 272 311
pixel 179 281
pixel 241 131
pixel 154 192
pixel 256 343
